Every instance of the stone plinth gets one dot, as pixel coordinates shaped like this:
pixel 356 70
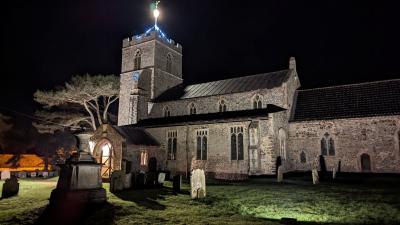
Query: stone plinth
pixel 80 181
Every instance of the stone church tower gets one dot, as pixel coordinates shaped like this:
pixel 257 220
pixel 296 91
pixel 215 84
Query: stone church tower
pixel 151 64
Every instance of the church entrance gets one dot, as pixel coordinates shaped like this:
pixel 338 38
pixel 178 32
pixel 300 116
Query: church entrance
pixel 103 154
pixel 365 163
pixel 152 164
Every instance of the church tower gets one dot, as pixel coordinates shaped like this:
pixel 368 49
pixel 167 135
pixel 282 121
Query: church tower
pixel 151 64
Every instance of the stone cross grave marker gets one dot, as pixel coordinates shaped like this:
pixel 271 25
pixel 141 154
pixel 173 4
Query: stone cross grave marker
pixel 280 174
pixel 198 184
pixel 315 177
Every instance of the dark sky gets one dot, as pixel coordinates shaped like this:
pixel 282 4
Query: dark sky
pixel 44 43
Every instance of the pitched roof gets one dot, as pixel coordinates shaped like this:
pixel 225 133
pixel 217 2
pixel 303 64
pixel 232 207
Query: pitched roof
pixel 348 101
pixel 136 136
pixel 228 86
pixel 225 116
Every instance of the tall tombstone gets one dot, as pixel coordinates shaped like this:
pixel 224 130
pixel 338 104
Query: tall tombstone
pixel 334 173
pixel 176 183
pixel 280 174
pixel 322 166
pixel 10 187
pixel 198 184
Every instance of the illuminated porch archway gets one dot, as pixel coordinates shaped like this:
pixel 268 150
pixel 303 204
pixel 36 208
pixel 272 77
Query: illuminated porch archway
pixel 104 152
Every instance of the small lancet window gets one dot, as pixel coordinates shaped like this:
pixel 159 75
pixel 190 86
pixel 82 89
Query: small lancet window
pixel 257 103
pixel 192 109
pixel 222 106
pixel 137 60
pixel 169 63
pixel 167 112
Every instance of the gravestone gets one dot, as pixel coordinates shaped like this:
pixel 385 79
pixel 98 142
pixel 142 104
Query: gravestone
pixel 151 179
pixel 176 183
pixel 45 174
pixel 40 173
pixel 161 178
pixel 10 187
pixel 33 174
pixel 334 173
pixel 280 174
pixel 141 180
pixel 128 181
pixel 315 177
pixel 117 181
pixel 5 174
pixel 22 174
pixel 51 174
pixel 198 184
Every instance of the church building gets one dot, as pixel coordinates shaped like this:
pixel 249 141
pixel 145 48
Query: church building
pixel 243 126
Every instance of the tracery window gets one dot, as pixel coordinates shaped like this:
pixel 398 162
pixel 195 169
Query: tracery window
pixel 327 145
pixel 137 60
pixel 172 144
pixel 222 106
pixel 192 109
pixel 237 143
pixel 169 63
pixel 257 102
pixel 201 144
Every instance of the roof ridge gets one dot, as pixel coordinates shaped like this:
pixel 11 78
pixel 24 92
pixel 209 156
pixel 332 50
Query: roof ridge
pixel 258 74
pixel 354 84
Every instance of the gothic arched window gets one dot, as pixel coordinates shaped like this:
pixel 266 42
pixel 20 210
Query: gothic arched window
pixel 172 144
pixel 327 145
pixel 257 102
pixel 222 106
pixel 137 60
pixel 192 109
pixel 169 63
pixel 237 146
pixel 201 144
pixel 167 112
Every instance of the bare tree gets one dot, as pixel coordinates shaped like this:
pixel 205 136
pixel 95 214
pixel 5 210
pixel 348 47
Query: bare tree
pixel 83 102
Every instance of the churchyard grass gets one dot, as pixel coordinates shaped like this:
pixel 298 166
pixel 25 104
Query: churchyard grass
pixel 370 200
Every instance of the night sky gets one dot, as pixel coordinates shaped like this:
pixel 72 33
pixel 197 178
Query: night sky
pixel 44 43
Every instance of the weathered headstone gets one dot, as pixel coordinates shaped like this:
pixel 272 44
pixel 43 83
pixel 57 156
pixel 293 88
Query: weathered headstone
pixel 315 176
pixel 22 174
pixel 128 181
pixel 161 178
pixel 33 174
pixel 40 173
pixel 334 173
pixel 176 183
pixel 117 180
pixel 151 179
pixel 141 180
pixel 51 174
pixel 280 174
pixel 198 184
pixel 5 174
pixel 45 174
pixel 10 187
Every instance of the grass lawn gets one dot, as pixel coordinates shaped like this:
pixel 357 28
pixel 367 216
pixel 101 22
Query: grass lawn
pixel 373 200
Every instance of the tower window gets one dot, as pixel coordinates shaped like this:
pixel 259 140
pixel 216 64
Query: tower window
pixel 201 144
pixel 327 145
pixel 237 143
pixel 192 109
pixel 167 112
pixel 257 103
pixel 222 106
pixel 169 63
pixel 137 60
pixel 172 144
